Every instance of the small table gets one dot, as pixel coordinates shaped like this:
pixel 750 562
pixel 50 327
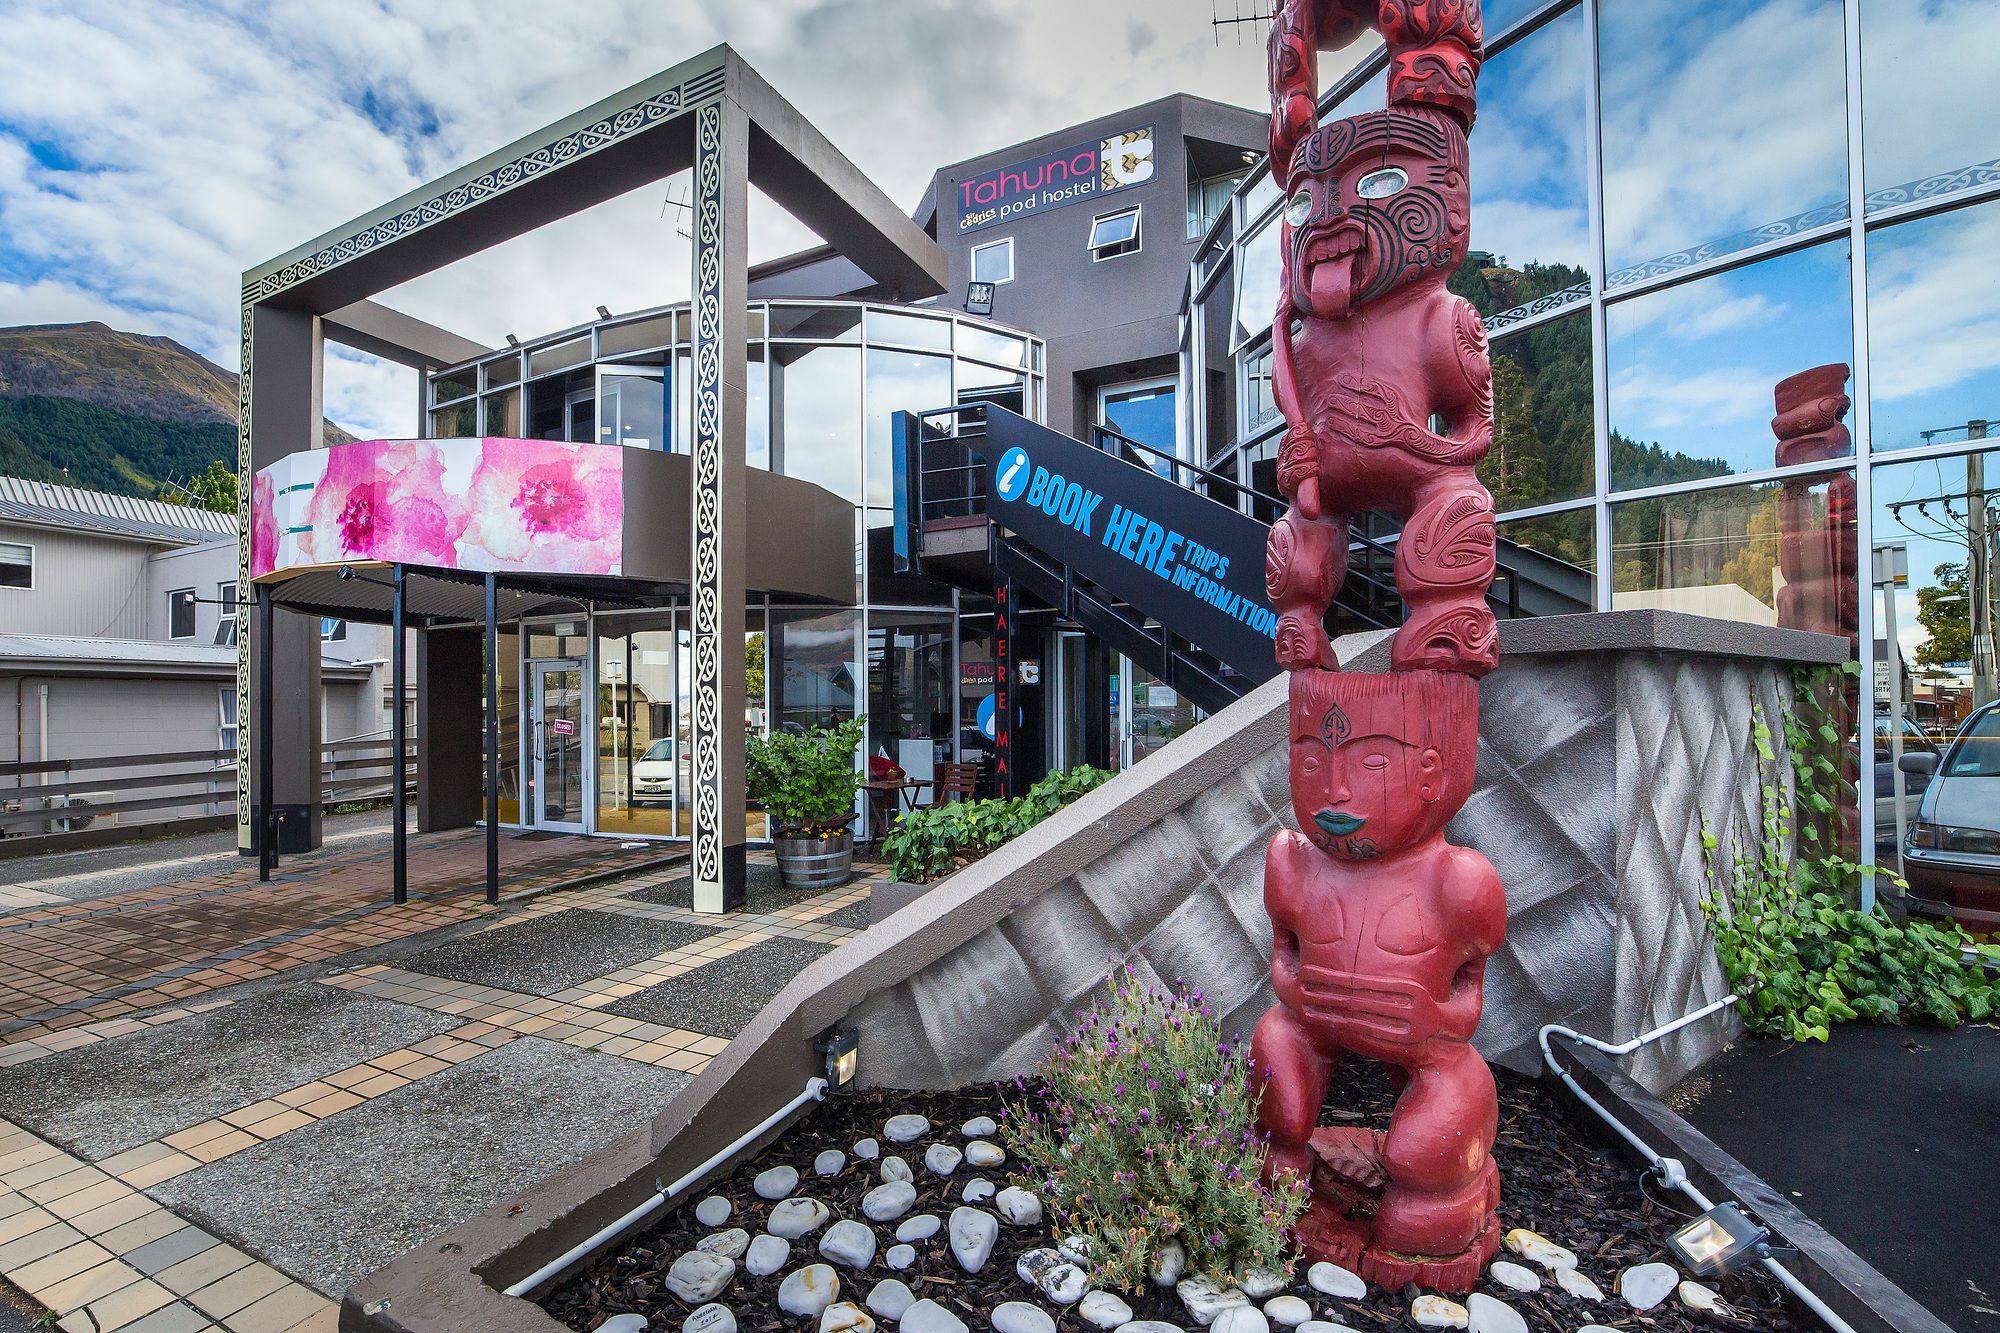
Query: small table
pixel 885 795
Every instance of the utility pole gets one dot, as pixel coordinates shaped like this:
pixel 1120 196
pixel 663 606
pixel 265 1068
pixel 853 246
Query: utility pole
pixel 1979 572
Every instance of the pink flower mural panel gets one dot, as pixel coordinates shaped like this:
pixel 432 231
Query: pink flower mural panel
pixel 545 506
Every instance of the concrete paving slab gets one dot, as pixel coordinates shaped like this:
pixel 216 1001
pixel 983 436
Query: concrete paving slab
pixel 337 1199
pixel 719 998
pixel 102 1099
pixel 554 952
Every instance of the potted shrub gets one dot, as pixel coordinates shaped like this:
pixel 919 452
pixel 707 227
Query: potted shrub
pixel 806 783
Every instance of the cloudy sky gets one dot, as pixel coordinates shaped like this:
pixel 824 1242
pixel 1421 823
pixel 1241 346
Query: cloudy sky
pixel 151 151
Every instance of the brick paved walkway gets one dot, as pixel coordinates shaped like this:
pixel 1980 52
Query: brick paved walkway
pixel 75 963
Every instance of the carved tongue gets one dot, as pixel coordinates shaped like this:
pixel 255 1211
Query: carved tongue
pixel 1333 287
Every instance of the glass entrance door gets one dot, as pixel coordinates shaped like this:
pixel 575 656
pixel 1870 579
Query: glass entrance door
pixel 632 406
pixel 559 739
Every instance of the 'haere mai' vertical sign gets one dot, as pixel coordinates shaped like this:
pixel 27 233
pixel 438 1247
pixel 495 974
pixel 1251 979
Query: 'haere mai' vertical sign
pixel 1100 167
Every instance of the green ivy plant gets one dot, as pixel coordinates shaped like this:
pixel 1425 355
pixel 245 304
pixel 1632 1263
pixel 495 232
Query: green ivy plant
pixel 1803 958
pixel 805 780
pixel 938 839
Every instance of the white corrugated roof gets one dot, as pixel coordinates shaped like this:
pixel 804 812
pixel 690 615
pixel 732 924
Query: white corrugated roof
pixel 131 652
pixel 100 511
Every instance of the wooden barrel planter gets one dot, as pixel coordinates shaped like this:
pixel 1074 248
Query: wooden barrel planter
pixel 816 863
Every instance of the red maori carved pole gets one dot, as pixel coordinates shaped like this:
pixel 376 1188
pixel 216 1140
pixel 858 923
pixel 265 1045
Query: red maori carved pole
pixel 1381 928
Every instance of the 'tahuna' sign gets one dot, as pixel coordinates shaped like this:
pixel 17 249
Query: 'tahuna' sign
pixel 1086 171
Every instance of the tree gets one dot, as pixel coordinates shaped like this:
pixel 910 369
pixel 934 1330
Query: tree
pixel 753 669
pixel 214 488
pixel 1945 612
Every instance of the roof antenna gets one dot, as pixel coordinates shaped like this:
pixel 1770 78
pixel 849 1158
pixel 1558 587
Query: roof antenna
pixel 677 200
pixel 1254 18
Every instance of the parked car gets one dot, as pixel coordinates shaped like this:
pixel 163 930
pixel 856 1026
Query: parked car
pixel 1951 855
pixel 1915 741
pixel 653 774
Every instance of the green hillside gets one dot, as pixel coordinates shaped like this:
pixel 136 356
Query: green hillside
pixel 82 444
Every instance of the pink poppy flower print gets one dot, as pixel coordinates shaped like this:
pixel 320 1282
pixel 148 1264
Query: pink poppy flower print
pixel 384 500
pixel 546 505
pixel 263 528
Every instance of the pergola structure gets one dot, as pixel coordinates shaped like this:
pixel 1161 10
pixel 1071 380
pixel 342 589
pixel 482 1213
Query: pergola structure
pixel 713 115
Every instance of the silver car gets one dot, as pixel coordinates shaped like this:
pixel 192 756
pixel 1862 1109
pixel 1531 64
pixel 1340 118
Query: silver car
pixel 1951 855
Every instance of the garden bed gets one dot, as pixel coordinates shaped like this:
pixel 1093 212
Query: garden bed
pixel 1558 1179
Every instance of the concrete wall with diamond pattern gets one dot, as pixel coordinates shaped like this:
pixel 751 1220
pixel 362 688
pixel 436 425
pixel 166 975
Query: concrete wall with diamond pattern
pixel 1606 742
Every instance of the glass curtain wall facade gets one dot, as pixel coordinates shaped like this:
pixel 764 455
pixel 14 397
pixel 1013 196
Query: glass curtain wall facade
pixel 1677 208
pixel 825 379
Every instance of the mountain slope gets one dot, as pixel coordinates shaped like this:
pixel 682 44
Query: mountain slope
pixel 122 412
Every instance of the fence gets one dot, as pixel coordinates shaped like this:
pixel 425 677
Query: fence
pixel 67 795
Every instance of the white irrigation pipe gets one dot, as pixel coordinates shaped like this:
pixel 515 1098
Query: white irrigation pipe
pixel 815 1090
pixel 1668 1170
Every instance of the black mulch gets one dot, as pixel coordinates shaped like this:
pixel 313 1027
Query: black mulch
pixel 854 916
pixel 767 890
pixel 1558 1178
pixel 554 953
pixel 721 997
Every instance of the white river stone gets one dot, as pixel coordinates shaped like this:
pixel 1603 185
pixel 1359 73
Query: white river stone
pixel 867 1150
pixel 905 1128
pixel 1241 1319
pixel 776 1183
pixel 1647 1285
pixel 895 1168
pixel 900 1257
pixel 848 1242
pixel 921 1227
pixel 1149 1326
pixel 1287 1311
pixel 1513 1277
pixel 973 1232
pixel 927 1316
pixel 1104 1309
pixel 942 1158
pixel 977 1191
pixel 710 1319
pixel 809 1290
pixel 1258 1283
pixel 829 1162
pixel 1064 1284
pixel 1699 1298
pixel 795 1217
pixel 1169 1262
pixel 766 1255
pixel 1335 1281
pixel 886 1203
pixel 1573 1281
pixel 729 1244
pixel 1033 1263
pixel 1322 1326
pixel 698 1277
pixel 846 1317
pixel 712 1211
pixel 623 1323
pixel 1018 1206
pixel 1076 1249
pixel 1437 1312
pixel 1487 1315
pixel 979 1127
pixel 1021 1317
pixel 1204 1300
pixel 1539 1249
pixel 982 1154
pixel 890 1297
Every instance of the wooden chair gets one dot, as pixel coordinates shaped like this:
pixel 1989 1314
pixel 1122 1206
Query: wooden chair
pixel 954 782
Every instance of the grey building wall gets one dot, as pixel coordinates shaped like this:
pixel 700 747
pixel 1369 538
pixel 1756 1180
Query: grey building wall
pixel 84 585
pixel 1112 320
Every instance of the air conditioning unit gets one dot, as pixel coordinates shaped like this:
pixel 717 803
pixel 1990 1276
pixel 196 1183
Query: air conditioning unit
pixel 78 811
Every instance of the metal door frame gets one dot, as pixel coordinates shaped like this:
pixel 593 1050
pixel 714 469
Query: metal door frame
pixel 538 753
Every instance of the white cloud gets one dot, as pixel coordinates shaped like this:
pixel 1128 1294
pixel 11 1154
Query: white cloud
pixel 149 153
pixel 1646 399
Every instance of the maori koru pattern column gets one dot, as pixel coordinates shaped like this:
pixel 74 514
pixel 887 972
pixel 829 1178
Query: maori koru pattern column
pixel 1381 928
pixel 705 598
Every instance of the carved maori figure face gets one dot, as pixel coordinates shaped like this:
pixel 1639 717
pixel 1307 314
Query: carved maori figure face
pixel 1380 762
pixel 1374 203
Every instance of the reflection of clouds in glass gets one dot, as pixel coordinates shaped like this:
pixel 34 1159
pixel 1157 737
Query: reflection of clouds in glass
pixel 1925 66
pixel 1693 367
pixel 1259 273
pixel 898 382
pixel 1929 542
pixel 1528 200
pixel 1717 117
pixel 1934 324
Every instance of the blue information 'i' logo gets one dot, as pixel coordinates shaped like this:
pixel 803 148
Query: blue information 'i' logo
pixel 1015 470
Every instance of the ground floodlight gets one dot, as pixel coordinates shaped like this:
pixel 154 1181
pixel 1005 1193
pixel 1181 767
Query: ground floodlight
pixel 840 1048
pixel 1720 1241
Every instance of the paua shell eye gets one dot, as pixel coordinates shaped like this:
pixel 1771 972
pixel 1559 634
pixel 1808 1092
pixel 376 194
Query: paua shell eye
pixel 1299 207
pixel 1381 184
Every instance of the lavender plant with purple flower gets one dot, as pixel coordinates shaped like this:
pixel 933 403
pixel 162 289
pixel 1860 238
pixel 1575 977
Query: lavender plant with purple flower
pixel 1142 1129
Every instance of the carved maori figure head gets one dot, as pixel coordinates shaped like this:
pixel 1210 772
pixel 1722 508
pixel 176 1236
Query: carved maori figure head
pixel 1380 762
pixel 1374 203
pixel 1812 406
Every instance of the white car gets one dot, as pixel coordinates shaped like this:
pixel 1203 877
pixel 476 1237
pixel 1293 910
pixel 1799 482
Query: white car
pixel 653 774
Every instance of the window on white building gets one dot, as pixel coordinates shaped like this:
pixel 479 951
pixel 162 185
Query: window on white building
pixel 180 613
pixel 17 565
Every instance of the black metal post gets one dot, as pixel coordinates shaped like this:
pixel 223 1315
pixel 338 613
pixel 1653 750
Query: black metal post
pixel 399 836
pixel 1006 608
pixel 492 739
pixel 265 828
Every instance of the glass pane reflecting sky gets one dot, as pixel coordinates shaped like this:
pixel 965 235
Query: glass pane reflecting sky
pixel 1692 368
pixel 1719 116
pixel 898 382
pixel 1498 16
pixel 1926 71
pixel 1934 325
pixel 1528 200
pixel 1259 273
pixel 1911 507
